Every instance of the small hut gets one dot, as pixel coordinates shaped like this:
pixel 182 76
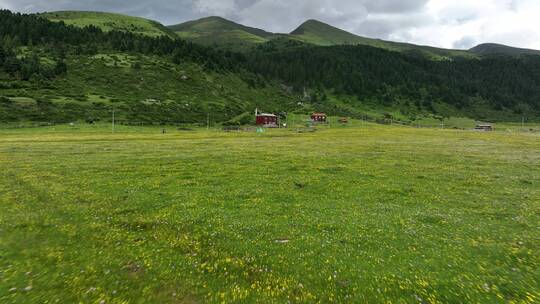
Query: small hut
pixel 319 117
pixel 484 127
pixel 266 120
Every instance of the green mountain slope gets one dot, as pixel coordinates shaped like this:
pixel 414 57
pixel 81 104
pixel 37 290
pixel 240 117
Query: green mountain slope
pixel 230 35
pixel 221 32
pixel 499 49
pixel 50 72
pixel 460 87
pixel 110 21
pixel 319 33
pixel 146 89
pixel 56 73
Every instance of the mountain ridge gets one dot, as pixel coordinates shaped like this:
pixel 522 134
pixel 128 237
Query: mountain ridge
pixel 220 20
pixel 234 35
pixel 215 30
pixel 321 28
pixel 221 32
pixel 501 49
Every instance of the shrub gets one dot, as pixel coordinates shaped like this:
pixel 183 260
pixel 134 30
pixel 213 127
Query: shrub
pixel 242 119
pixel 5 100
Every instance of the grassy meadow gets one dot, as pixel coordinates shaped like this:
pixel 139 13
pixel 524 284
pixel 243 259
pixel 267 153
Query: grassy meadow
pixel 353 214
pixel 109 21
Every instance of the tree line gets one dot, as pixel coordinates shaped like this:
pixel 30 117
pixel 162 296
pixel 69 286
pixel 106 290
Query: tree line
pixel 389 77
pixel 26 67
pixel 377 75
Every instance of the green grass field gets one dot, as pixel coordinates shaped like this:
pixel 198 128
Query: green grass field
pixel 356 214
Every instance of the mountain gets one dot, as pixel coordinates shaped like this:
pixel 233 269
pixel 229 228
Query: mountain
pixel 51 72
pixel 110 21
pixel 217 31
pixel 143 79
pixel 221 32
pixel 319 33
pixel 499 49
pixel 483 88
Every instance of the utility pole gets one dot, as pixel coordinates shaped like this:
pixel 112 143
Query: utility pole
pixel 523 122
pixel 113 120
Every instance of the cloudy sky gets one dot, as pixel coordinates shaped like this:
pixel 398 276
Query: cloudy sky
pixel 443 23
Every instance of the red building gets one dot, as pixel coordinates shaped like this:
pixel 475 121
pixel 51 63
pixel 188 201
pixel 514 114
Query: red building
pixel 318 117
pixel 267 120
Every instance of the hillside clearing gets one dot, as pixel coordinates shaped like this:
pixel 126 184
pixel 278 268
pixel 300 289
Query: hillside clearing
pixel 382 214
pixel 109 21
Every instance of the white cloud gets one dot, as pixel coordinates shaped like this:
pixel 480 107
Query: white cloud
pixel 513 22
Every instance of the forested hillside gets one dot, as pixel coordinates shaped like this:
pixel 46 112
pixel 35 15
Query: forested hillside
pixel 50 71
pixel 477 87
pixel 109 22
pixel 58 73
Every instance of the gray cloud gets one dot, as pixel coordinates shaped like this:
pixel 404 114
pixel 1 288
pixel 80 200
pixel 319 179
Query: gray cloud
pixel 393 26
pixel 435 22
pixel 465 43
pixel 285 15
pixel 394 6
